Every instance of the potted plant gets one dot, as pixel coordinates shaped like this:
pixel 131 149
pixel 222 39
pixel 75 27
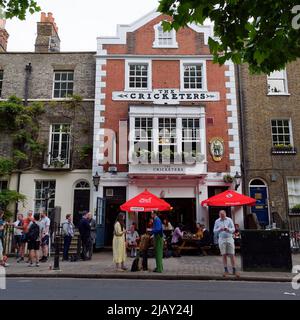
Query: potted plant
pixel 296 208
pixel 228 178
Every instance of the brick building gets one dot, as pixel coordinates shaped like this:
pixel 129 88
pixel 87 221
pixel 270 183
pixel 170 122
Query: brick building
pixel 271 140
pixel 161 103
pixel 50 76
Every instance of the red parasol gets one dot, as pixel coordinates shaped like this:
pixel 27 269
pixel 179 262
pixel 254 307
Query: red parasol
pixel 228 198
pixel 145 202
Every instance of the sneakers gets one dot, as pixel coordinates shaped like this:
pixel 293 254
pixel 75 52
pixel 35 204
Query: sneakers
pixel 43 259
pixel 20 259
pixel 4 264
pixel 31 264
pixel 37 264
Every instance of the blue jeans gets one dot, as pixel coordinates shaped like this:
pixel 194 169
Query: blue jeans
pixel 67 243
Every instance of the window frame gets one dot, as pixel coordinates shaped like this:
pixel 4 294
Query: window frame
pixel 156 43
pixel 35 199
pixel 288 194
pixel 284 93
pixel 54 81
pixel 67 164
pixel 127 74
pixel 204 74
pixel 290 129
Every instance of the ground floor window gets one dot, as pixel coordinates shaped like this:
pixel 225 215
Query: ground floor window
pixel 3 185
pixel 293 185
pixel 44 195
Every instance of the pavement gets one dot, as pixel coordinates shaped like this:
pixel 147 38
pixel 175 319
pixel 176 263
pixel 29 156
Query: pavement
pixel 182 268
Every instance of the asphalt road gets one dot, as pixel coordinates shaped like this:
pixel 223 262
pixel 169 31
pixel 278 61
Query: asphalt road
pixel 91 289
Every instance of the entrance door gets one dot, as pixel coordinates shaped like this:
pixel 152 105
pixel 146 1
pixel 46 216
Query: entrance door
pixel 259 191
pixel 81 201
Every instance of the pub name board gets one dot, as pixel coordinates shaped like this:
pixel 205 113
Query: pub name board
pixel 165 96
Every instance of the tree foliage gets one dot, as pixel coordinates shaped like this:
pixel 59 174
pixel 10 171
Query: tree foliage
pixel 18 8
pixel 258 32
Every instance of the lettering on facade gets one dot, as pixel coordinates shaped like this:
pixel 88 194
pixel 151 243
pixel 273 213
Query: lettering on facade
pixel 166 96
pixel 168 169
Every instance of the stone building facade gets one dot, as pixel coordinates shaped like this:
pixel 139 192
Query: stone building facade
pixel 157 92
pixel 52 77
pixel 271 141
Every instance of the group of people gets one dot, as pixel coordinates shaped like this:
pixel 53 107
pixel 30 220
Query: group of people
pixel 34 230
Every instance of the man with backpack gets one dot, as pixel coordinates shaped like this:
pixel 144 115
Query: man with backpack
pixel 34 240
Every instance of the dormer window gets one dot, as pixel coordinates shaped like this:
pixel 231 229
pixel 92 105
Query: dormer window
pixel 164 39
pixel 277 83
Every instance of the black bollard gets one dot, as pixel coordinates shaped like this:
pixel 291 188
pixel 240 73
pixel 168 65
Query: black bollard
pixel 56 255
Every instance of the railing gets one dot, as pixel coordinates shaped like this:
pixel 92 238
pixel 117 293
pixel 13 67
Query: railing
pixel 283 150
pixel 294 227
pixel 8 247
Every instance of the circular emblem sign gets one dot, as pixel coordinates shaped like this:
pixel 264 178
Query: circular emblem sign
pixel 217 148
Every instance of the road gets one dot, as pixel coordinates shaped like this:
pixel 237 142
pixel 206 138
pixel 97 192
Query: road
pixel 86 289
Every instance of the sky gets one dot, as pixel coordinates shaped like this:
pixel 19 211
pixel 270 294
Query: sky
pixel 79 22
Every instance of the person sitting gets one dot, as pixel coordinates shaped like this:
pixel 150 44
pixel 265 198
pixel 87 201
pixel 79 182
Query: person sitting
pixel 132 240
pixel 167 226
pixel 237 235
pixel 205 240
pixel 144 246
pixel 177 239
pixel 199 233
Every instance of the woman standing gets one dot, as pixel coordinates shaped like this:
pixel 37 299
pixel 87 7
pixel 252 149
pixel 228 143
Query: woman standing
pixel 119 244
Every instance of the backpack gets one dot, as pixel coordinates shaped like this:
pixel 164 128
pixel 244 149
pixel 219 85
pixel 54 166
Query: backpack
pixel 33 232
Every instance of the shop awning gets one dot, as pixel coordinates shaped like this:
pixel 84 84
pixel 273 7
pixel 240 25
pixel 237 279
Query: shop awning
pixel 145 202
pixel 228 198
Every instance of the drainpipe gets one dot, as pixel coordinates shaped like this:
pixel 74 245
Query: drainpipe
pixel 28 69
pixel 242 130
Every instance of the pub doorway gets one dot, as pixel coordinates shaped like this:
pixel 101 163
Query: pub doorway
pixel 81 200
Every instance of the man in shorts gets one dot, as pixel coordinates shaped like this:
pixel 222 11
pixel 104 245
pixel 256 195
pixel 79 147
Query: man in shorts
pixel 224 228
pixel 34 240
pixel 45 232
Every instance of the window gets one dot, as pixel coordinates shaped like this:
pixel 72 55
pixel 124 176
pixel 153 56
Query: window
pixel 277 82
pixel 193 75
pixel 3 185
pixel 191 135
pixel 138 76
pixel 293 185
pixel 167 144
pixel 1 82
pixel 281 132
pixel 63 84
pixel 44 195
pixel 59 149
pixel 164 39
pixel 143 137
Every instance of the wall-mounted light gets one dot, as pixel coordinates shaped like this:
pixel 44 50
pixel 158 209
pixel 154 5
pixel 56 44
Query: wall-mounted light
pixel 96 181
pixel 237 181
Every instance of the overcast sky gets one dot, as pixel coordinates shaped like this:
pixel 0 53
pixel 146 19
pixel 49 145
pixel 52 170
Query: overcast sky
pixel 79 22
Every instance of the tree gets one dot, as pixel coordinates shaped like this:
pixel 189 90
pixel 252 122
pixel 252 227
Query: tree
pixel 17 8
pixel 263 33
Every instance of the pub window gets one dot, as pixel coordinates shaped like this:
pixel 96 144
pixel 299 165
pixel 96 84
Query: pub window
pixel 191 135
pixel 167 144
pixel 193 76
pixel 293 186
pixel 138 76
pixel 3 185
pixel 44 195
pixel 281 132
pixel 277 82
pixel 63 84
pixel 164 39
pixel 1 82
pixel 59 145
pixel 143 142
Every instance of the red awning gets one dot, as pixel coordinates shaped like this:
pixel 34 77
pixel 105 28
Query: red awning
pixel 145 202
pixel 228 198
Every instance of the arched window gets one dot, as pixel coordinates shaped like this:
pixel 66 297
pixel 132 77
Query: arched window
pixel 82 185
pixel 257 182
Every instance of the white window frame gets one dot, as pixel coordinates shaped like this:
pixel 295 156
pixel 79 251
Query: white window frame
pixel 284 93
pixel 53 87
pixel 184 62
pixel 196 139
pixel 128 62
pixel 156 43
pixel 288 194
pixel 290 128
pixel 35 199
pixel 60 142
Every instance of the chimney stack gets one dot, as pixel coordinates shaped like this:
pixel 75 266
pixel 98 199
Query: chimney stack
pixel 47 39
pixel 3 36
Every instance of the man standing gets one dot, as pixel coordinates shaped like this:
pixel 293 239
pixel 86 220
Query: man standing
pixel 34 240
pixel 157 231
pixel 224 228
pixel 68 233
pixel 85 235
pixel 18 237
pixel 45 231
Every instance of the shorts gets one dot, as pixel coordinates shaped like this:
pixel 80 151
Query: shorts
pixel 226 246
pixel 18 240
pixel 33 245
pixel 45 241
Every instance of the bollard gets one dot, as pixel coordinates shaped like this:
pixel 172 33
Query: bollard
pixel 56 255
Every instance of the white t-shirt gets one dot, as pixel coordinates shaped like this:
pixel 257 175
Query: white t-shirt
pixel 45 226
pixel 17 232
pixel 132 237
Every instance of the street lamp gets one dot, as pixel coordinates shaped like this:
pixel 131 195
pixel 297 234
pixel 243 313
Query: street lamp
pixel 96 180
pixel 237 180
